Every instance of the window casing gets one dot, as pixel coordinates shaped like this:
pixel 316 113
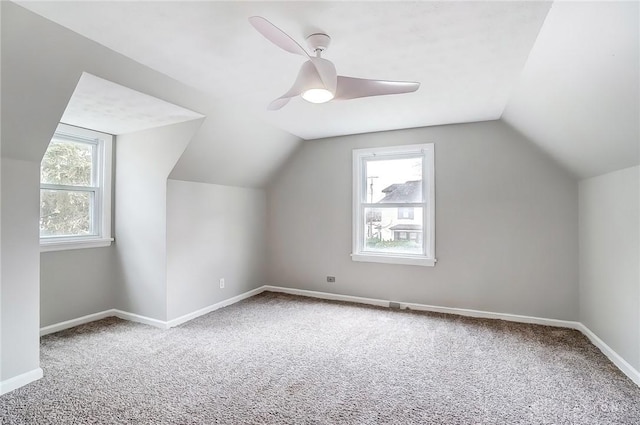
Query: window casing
pixel 75 190
pixel 394 205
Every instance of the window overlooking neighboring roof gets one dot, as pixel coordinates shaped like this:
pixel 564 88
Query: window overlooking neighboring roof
pixel 394 205
pixel 75 190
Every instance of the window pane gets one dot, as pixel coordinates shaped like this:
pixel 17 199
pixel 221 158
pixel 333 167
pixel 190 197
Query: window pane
pixel 386 232
pixel 394 180
pixel 67 163
pixel 65 213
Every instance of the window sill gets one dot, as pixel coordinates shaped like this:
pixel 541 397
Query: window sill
pixel 411 261
pixel 74 244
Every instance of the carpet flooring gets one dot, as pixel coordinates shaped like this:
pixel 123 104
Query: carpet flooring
pixel 281 359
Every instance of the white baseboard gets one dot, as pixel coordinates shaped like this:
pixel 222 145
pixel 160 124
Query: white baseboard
pixel 57 327
pixel 426 307
pixel 190 316
pixel 615 358
pixel 19 381
pixel 325 295
pixel 132 317
pixel 492 315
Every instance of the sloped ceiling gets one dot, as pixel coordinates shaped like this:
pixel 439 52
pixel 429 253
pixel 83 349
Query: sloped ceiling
pixel 572 89
pixel 578 96
pixel 467 55
pixel 42 63
pixel 108 107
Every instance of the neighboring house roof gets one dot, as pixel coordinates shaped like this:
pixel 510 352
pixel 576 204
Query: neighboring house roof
pixel 410 191
pixel 407 227
pixel 389 189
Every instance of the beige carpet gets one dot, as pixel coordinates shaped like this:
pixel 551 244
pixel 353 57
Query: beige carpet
pixel 280 359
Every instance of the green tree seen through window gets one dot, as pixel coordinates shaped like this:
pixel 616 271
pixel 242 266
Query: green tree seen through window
pixel 64 211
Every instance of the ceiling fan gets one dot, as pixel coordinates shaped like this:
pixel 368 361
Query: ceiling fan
pixel 317 80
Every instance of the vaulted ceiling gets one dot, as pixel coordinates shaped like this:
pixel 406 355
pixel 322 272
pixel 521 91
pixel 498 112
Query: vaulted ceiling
pixel 569 83
pixel 578 95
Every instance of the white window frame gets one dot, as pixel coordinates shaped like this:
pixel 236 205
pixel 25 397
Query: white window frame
pixel 360 156
pixel 102 163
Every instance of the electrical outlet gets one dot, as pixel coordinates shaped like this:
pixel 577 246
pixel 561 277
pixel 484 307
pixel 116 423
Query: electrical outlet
pixel 222 283
pixel 331 279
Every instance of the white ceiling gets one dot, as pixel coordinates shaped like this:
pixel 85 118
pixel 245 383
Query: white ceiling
pixel 566 76
pixel 467 55
pixel 108 107
pixel 578 97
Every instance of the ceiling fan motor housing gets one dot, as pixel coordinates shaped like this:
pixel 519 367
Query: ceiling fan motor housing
pixel 318 41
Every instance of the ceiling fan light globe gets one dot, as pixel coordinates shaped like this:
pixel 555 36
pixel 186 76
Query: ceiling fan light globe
pixel 317 95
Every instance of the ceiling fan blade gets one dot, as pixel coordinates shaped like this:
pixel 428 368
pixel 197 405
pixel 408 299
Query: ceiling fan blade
pixel 278 103
pixel 277 36
pixel 298 87
pixel 352 88
pixel 327 72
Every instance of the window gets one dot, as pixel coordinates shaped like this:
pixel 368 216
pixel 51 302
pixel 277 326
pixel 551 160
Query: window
pixel 405 213
pixel 75 190
pixel 394 205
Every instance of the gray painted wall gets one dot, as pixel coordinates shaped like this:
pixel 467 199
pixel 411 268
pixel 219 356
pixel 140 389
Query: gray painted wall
pixel 143 163
pixel 76 283
pixel 213 232
pixel 506 224
pixel 41 64
pixel 506 215
pixel 20 267
pixel 0 199
pixel 31 107
pixel 609 260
